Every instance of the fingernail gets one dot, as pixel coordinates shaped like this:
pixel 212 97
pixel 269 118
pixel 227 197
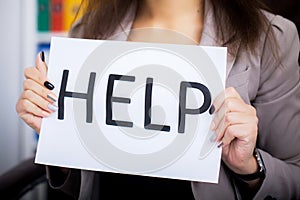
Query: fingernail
pixel 52 107
pixel 212 110
pixel 212 126
pixel 42 56
pixel 51 98
pixel 48 85
pixel 221 144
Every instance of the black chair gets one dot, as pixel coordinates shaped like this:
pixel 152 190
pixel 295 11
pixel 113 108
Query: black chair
pixel 25 177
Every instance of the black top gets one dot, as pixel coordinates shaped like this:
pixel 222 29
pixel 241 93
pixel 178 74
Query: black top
pixel 141 187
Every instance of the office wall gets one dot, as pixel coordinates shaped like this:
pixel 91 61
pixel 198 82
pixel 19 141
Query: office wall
pixel 16 140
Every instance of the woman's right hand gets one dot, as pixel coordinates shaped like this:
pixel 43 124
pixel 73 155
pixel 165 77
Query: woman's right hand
pixel 36 101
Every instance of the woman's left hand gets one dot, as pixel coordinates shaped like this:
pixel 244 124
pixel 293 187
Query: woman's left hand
pixel 236 126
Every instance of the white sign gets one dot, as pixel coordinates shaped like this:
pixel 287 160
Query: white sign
pixel 134 108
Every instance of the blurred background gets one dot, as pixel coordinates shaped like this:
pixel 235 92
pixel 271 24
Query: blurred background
pixel 16 51
pixel 26 29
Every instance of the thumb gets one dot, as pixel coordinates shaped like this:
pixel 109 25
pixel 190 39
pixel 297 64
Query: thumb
pixel 41 64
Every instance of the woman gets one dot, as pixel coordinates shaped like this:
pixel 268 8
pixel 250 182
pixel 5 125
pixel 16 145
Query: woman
pixel 258 122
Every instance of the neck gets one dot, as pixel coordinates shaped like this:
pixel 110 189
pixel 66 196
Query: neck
pixel 170 11
pixel 184 16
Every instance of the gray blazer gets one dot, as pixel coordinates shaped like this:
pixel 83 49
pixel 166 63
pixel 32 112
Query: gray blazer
pixel 273 89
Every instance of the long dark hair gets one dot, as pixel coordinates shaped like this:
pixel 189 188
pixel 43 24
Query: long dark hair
pixel 237 21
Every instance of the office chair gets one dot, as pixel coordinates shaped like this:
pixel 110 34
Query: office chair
pixel 25 177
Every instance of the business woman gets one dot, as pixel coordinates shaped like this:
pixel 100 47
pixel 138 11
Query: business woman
pixel 259 130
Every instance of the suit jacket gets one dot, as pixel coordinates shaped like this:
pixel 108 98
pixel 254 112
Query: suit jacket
pixel 272 88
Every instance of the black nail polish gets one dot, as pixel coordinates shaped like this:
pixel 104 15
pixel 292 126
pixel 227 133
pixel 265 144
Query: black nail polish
pixel 221 144
pixel 48 85
pixel 212 110
pixel 42 56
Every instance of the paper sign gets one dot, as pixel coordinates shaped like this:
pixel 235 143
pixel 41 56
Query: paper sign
pixel 134 108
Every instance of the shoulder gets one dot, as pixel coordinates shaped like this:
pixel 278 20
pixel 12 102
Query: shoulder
pixel 279 68
pixel 269 75
pixel 278 41
pixel 284 30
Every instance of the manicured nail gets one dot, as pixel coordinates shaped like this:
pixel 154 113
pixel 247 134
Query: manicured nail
pixel 42 56
pixel 52 107
pixel 51 98
pixel 48 85
pixel 221 144
pixel 212 110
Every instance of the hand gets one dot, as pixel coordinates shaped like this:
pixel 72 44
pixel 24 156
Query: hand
pixel 36 101
pixel 235 124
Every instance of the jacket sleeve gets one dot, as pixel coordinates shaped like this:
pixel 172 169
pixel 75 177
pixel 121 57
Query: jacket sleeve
pixel 278 109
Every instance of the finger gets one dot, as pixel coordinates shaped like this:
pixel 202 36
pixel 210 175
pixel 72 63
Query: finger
pixel 232 119
pixel 218 101
pixel 218 116
pixel 35 75
pixel 239 131
pixel 29 84
pixel 32 120
pixel 230 104
pixel 220 130
pixel 42 68
pixel 227 93
pixel 41 64
pixel 29 108
pixel 231 92
pixel 38 101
